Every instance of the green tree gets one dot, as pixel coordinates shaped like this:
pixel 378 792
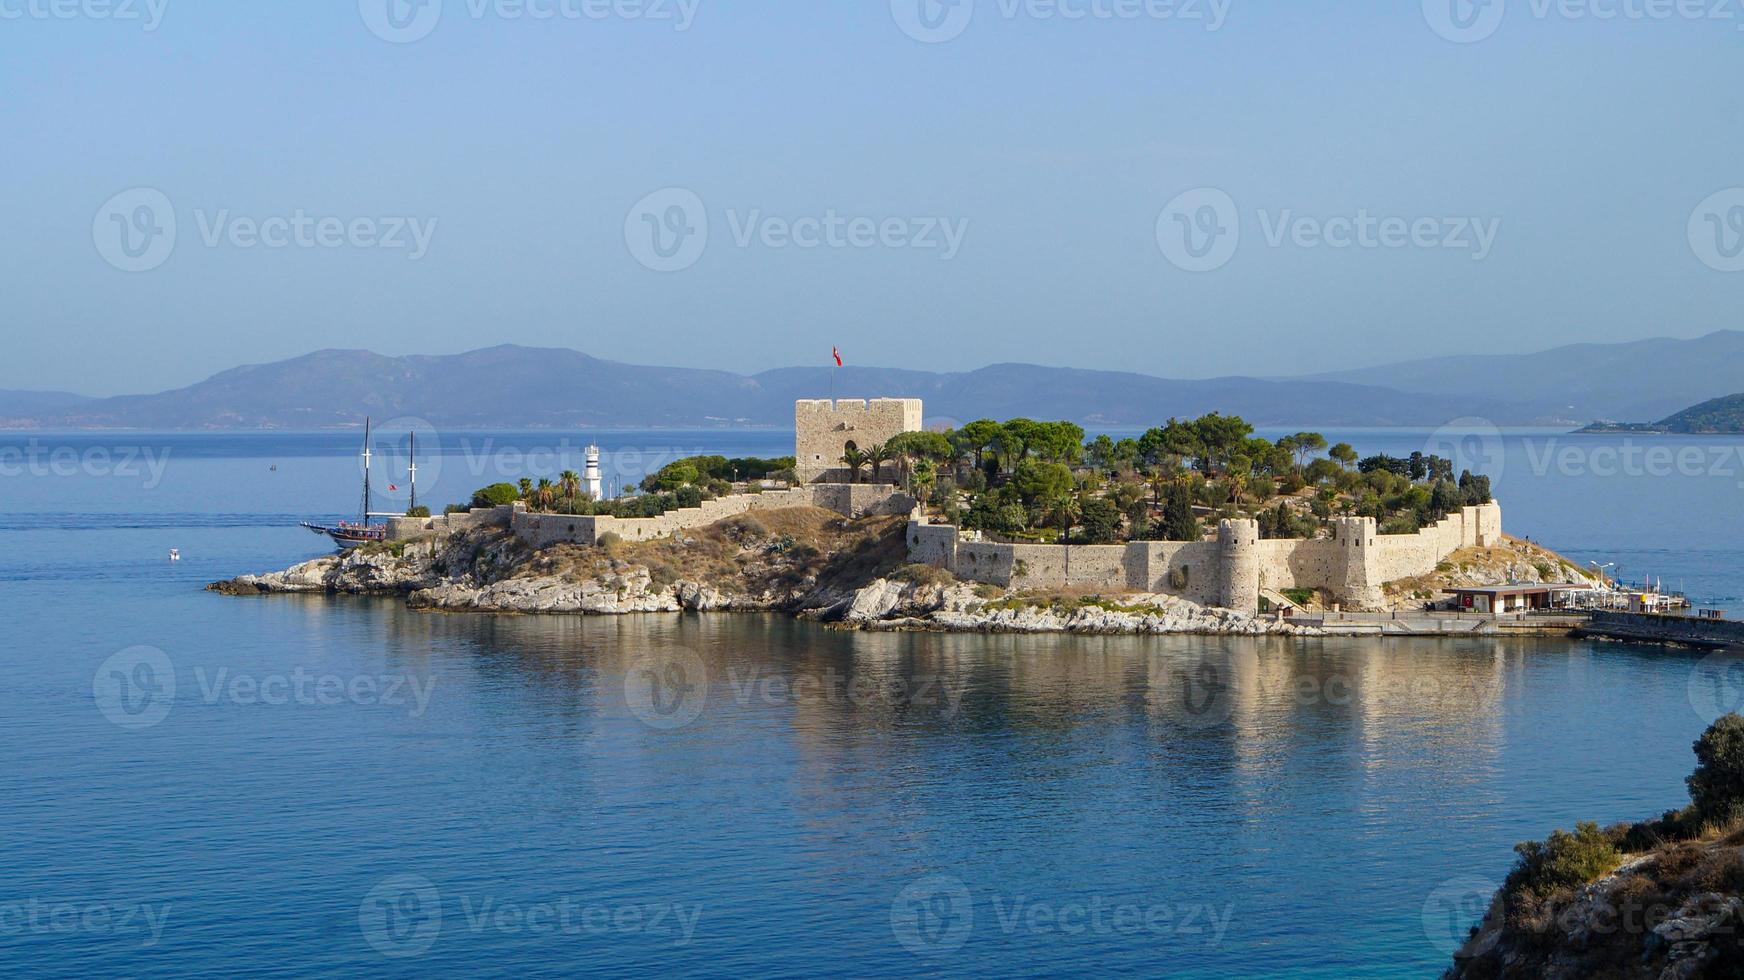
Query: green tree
pixel 1306 445
pixel 1343 453
pixel 855 461
pixel 977 437
pixel 1037 482
pixel 1716 787
pixel 877 455
pixel 569 483
pixel 1179 524
pixel 496 495
pixel 1100 517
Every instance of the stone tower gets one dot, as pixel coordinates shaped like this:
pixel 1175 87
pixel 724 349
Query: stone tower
pixel 1359 580
pixel 1238 544
pixel 826 429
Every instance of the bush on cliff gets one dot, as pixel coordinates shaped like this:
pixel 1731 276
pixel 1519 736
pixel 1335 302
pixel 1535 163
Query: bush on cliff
pixel 1561 861
pixel 1716 787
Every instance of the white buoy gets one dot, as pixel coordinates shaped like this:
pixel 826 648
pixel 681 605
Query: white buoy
pixel 175 554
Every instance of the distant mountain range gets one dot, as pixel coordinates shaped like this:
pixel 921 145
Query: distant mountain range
pixel 1643 379
pixel 511 387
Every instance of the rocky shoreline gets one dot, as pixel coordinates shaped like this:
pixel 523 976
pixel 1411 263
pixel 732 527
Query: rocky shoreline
pixel 488 571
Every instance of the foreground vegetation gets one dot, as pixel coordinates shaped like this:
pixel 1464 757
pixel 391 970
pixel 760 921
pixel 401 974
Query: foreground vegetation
pixel 1632 899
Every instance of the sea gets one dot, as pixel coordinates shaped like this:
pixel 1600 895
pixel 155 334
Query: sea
pixel 203 785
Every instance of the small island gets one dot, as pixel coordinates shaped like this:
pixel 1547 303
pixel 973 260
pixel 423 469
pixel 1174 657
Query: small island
pixel 1716 416
pixel 875 522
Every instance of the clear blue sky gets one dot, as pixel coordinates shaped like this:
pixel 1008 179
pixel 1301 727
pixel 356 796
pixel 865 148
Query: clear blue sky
pixel 1060 142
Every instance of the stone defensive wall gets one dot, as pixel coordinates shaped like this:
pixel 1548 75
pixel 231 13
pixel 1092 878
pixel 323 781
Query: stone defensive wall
pixel 849 500
pixel 1230 571
pixel 402 528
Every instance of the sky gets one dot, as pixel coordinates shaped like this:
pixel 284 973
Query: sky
pixel 1185 188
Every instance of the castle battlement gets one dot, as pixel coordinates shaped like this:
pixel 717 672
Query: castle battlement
pixel 826 429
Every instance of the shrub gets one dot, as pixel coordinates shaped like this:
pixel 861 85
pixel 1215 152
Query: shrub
pixel 610 539
pixel 419 511
pixel 1562 860
pixel 1716 787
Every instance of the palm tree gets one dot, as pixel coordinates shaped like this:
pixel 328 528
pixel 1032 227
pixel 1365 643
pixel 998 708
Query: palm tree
pixel 853 459
pixel 526 489
pixel 569 482
pixel 878 455
pixel 922 479
pixel 544 493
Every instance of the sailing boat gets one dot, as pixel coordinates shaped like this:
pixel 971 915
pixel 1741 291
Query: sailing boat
pixel 348 535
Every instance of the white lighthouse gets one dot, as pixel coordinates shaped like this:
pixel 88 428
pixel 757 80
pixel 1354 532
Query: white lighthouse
pixel 592 475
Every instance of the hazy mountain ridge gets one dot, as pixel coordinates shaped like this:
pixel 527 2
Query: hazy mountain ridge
pixel 1643 379
pixel 510 386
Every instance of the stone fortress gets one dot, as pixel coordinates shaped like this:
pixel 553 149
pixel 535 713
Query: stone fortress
pixel 825 431
pixel 1230 571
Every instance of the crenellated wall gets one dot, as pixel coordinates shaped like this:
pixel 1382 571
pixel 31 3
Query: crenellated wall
pixel 1352 565
pixel 823 429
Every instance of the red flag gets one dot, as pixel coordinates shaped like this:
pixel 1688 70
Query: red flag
pixel 392 487
pixel 836 352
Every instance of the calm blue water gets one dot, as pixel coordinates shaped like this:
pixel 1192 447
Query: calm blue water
pixel 344 785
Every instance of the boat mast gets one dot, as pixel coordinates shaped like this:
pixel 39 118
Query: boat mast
pixel 366 472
